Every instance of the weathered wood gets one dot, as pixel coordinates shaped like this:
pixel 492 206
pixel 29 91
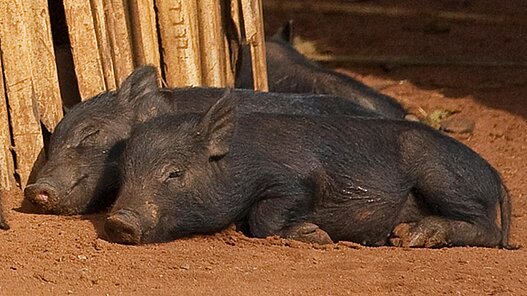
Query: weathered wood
pixel 236 17
pixel 179 41
pixel 254 34
pixel 23 108
pixel 104 43
pixel 120 36
pixel 84 47
pixel 232 38
pixel 7 168
pixel 44 69
pixel 211 33
pixel 144 31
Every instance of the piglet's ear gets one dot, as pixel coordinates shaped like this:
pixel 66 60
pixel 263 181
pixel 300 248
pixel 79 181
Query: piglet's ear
pixel 285 33
pixel 153 104
pixel 217 126
pixel 142 81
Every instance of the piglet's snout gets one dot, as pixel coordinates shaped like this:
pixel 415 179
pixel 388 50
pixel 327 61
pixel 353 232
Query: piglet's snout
pixel 123 227
pixel 42 195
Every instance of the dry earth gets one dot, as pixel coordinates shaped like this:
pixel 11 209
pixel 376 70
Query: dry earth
pixel 44 255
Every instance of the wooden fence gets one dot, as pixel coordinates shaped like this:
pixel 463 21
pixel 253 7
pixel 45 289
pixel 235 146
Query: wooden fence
pixel 192 42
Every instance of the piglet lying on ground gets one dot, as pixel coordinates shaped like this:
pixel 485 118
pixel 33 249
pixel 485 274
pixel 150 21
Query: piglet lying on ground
pixel 316 179
pixel 291 72
pixel 81 172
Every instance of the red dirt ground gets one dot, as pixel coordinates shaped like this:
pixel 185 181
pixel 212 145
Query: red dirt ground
pixel 44 255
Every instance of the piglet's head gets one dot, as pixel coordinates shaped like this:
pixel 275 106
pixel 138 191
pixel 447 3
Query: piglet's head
pixel 174 177
pixel 81 173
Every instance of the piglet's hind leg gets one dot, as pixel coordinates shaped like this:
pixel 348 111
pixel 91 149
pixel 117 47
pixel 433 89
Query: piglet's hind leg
pixel 436 232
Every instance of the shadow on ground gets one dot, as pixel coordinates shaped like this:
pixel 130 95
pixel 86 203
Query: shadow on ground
pixel 485 59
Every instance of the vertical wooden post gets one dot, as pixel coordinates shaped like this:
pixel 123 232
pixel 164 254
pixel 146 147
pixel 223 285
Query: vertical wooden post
pixel 44 70
pixel 179 41
pixel 120 36
pixel 104 45
pixel 232 41
pixel 254 33
pixel 7 168
pixel 21 96
pixel 211 32
pixel 84 47
pixel 144 30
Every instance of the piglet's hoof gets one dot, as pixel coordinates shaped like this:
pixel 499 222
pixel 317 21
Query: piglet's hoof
pixel 309 233
pixel 429 233
pixel 401 234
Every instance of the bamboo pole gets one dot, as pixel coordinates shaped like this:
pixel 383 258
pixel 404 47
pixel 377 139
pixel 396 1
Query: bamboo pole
pixel 179 42
pixel 44 70
pixel 211 33
pixel 84 47
pixel 254 34
pixel 16 58
pixel 7 167
pixel 104 43
pixel 120 36
pixel 144 31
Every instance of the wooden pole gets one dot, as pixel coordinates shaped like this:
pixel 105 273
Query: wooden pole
pixel 232 40
pixel 120 36
pixel 179 41
pixel 21 96
pixel 211 33
pixel 84 47
pixel 44 70
pixel 235 12
pixel 144 31
pixel 254 34
pixel 7 168
pixel 104 44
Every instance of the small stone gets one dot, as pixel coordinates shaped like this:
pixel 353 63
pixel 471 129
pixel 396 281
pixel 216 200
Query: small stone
pixel 99 244
pixel 184 267
pixel 82 257
pixel 230 241
pixel 412 117
pixel 457 125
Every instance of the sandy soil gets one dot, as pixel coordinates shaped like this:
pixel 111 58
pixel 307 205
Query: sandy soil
pixel 44 255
